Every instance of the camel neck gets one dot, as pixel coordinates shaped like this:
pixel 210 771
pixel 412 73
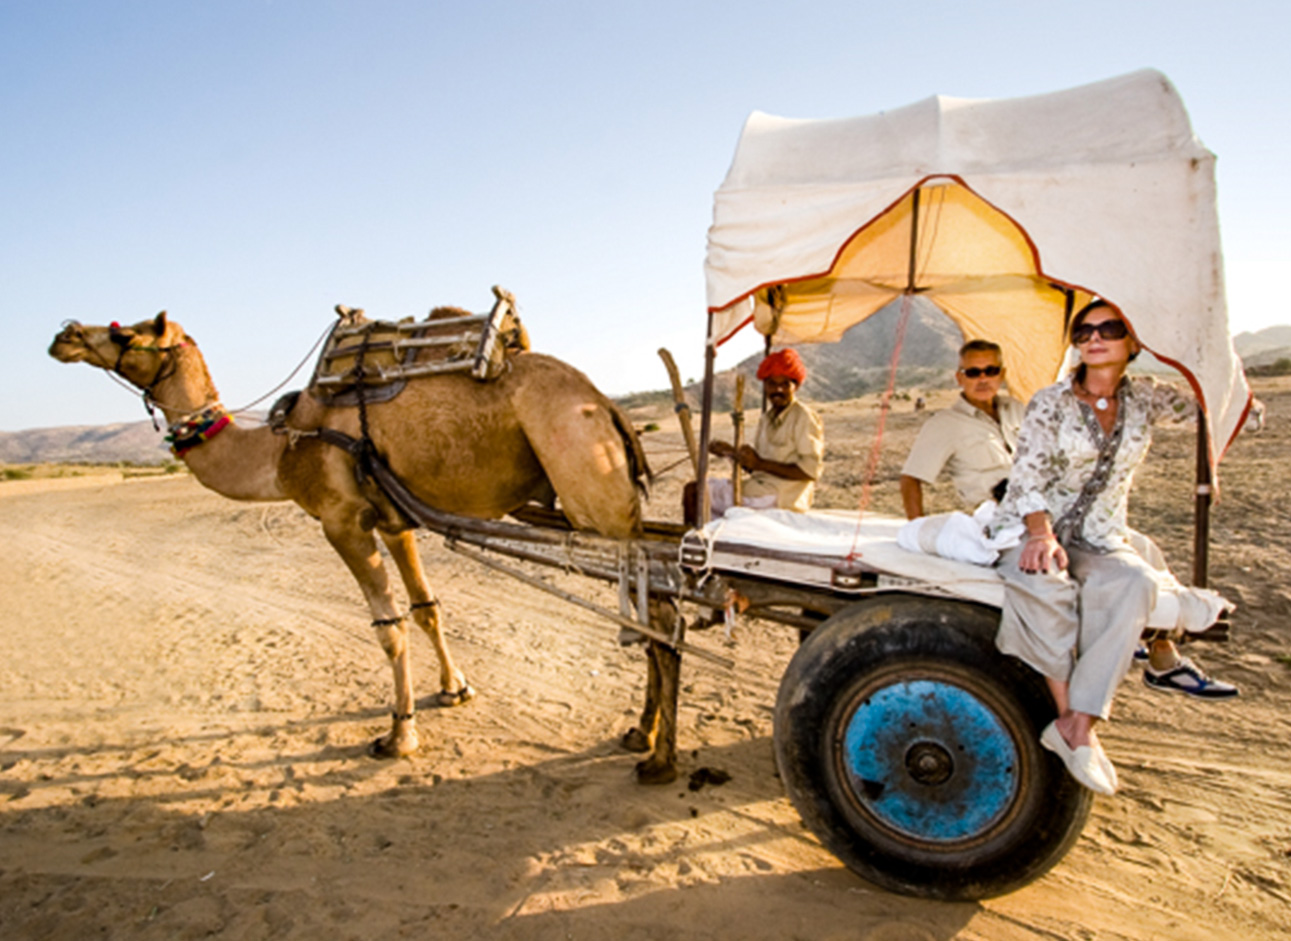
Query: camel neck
pixel 187 389
pixel 240 463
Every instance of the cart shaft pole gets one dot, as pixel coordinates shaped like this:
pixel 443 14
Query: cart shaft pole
pixel 609 615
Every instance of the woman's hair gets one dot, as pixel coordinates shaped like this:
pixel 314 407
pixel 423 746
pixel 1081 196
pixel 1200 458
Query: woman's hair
pixel 1079 318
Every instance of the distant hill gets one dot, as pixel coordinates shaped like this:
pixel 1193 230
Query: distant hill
pixel 857 365
pixel 1254 348
pixel 1264 348
pixel 134 442
pixel 860 362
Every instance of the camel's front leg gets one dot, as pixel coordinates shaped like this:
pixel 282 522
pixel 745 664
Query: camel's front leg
pixel 453 688
pixel 359 550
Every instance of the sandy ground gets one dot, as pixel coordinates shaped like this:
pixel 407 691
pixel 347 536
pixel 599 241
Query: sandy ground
pixel 187 687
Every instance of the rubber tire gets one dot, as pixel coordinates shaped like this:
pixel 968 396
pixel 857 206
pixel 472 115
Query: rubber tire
pixel 876 648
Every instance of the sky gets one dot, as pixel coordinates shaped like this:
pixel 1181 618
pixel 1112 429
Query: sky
pixel 246 165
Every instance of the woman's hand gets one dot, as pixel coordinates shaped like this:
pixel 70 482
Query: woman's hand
pixel 1042 553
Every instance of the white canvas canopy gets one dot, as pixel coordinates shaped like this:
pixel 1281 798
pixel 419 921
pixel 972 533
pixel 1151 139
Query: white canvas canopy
pixel 1008 215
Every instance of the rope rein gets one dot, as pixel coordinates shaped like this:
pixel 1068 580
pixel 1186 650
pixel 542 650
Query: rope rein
pixel 188 416
pixel 305 359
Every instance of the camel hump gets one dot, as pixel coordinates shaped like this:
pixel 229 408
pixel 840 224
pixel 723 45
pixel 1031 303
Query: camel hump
pixel 585 444
pixel 350 316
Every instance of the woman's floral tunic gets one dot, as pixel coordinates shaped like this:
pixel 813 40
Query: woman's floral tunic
pixel 1058 454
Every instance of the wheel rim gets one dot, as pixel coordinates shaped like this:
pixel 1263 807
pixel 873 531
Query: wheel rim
pixel 928 760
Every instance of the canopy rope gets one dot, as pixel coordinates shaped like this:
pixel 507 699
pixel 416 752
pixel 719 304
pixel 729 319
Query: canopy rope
pixel 885 406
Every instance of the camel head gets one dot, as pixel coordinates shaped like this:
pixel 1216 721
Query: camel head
pixel 137 353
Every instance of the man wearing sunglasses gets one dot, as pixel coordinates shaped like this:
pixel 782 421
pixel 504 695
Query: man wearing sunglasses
pixel 973 439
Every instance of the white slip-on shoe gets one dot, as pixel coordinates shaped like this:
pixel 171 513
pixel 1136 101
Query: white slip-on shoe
pixel 1082 762
pixel 1109 769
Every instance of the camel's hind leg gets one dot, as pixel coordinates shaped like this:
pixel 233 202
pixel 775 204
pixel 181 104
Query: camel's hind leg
pixel 454 690
pixel 657 732
pixel 665 670
pixel 641 738
pixel 358 548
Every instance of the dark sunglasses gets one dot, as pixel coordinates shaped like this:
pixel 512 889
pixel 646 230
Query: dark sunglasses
pixel 1108 330
pixel 972 372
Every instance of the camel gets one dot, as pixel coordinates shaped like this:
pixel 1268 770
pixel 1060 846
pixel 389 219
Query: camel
pixel 478 449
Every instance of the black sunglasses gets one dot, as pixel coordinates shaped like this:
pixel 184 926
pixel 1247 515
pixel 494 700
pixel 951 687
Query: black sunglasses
pixel 972 372
pixel 1108 330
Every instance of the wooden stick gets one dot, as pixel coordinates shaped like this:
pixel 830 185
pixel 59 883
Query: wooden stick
pixel 737 420
pixel 681 408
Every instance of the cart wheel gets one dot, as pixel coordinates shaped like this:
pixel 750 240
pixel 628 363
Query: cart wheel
pixel 911 748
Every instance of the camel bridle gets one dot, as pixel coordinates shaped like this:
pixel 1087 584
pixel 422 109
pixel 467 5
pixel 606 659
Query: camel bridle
pixel 194 426
pixel 167 367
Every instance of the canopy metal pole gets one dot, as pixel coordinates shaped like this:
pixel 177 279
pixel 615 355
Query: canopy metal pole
pixel 766 351
pixel 706 425
pixel 1201 525
pixel 914 243
pixel 737 441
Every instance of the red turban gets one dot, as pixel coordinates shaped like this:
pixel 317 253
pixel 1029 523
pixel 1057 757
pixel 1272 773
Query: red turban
pixel 786 363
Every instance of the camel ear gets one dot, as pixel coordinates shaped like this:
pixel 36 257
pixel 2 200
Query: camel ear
pixel 159 324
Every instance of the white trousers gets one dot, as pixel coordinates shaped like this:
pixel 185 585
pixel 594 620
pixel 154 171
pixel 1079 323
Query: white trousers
pixel 721 496
pixel 1079 626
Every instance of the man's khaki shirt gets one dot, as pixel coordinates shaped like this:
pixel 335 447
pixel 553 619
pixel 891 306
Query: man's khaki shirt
pixel 976 450
pixel 795 436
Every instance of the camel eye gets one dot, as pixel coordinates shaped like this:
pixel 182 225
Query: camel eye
pixel 120 337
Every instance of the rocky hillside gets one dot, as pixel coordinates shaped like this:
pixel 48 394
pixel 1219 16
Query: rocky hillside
pixel 1264 346
pixel 859 363
pixel 131 442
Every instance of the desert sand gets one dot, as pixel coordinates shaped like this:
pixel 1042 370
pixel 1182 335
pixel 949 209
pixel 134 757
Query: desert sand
pixel 188 686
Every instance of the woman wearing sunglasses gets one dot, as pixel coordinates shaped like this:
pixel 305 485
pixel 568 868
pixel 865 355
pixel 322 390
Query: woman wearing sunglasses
pixel 1077 596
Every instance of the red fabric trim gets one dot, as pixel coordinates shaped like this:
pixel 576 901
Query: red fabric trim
pixel 744 323
pixel 954 177
pixel 1040 272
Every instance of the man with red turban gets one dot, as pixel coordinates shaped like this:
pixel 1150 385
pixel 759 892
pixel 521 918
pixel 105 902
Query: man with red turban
pixel 788 451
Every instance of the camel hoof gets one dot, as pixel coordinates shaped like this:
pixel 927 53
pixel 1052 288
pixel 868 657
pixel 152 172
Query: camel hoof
pixel 650 772
pixel 391 746
pixel 381 748
pixel 446 700
pixel 635 740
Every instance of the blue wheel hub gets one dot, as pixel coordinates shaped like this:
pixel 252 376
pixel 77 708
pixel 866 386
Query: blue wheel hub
pixel 930 760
